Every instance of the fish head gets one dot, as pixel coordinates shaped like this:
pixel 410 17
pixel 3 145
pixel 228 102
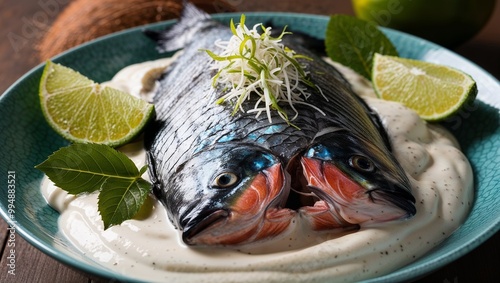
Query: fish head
pixel 356 182
pixel 234 196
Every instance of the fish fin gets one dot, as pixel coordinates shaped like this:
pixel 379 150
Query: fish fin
pixel 192 19
pixel 153 177
pixel 373 115
pixel 380 127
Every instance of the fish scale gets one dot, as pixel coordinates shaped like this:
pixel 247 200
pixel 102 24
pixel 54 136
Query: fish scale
pixel 193 138
pixel 190 106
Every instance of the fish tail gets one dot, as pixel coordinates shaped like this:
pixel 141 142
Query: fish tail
pixel 192 19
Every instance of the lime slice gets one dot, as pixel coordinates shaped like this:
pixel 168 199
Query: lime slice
pixel 83 111
pixel 434 91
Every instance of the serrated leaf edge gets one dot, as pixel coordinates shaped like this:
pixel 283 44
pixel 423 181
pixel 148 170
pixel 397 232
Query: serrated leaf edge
pixel 107 177
pixel 117 220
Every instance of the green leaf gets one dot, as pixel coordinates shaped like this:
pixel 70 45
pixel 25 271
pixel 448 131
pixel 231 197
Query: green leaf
pixel 120 200
pixel 353 43
pixel 85 168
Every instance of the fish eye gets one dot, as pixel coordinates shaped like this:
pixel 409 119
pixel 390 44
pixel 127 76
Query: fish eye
pixel 361 163
pixel 225 180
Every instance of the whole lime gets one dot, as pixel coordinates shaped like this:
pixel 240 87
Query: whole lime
pixel 446 22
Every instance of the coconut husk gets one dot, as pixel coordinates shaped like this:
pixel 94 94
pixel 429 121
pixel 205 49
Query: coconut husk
pixel 84 20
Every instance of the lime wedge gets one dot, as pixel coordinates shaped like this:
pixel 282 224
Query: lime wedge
pixel 434 91
pixel 83 111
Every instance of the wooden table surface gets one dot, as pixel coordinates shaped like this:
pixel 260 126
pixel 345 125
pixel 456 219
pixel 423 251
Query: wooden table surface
pixel 19 56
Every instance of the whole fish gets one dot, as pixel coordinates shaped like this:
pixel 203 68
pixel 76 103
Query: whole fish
pixel 234 179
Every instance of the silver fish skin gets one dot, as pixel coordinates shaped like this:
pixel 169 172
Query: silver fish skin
pixel 235 179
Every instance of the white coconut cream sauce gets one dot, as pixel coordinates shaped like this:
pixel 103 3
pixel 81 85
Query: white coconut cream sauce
pixel 149 248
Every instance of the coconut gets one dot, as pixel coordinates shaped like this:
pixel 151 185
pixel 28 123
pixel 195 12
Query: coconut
pixel 84 20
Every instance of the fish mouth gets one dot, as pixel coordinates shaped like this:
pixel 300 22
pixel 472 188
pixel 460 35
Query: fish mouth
pixel 300 195
pixel 399 197
pixel 255 214
pixel 197 225
pixel 316 190
pixel 331 199
pixel 315 204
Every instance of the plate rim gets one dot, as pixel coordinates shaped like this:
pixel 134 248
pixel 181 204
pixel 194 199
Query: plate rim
pixel 424 269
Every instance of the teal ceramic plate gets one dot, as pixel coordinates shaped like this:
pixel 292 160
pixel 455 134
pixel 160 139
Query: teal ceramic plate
pixel 27 140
